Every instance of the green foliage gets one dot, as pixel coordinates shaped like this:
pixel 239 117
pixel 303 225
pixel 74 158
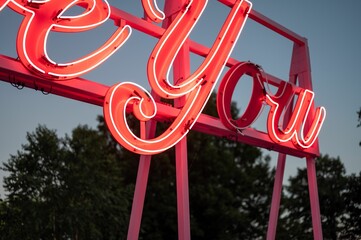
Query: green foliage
pixel 64 188
pixel 331 181
pixel 352 218
pixel 230 187
pixel 34 181
pixel 81 187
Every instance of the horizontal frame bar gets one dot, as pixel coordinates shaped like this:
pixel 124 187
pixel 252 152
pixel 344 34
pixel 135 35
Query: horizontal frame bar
pixel 12 71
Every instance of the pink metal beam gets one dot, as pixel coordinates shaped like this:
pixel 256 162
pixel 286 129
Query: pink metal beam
pixel 183 212
pixel 180 71
pixel 301 70
pixel 278 182
pixel 139 196
pixel 314 201
pixel 121 17
pixel 84 90
pixel 14 72
pixel 141 184
pixel 274 26
pixel 91 92
pixel 276 197
pixel 153 30
pixel 269 23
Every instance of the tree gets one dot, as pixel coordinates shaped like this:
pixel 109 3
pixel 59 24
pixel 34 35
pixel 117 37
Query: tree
pixel 33 182
pixel 81 186
pixel 207 192
pixel 351 220
pixel 64 188
pixel 93 178
pixel 230 187
pixel 352 217
pixel 331 180
pixel 2 215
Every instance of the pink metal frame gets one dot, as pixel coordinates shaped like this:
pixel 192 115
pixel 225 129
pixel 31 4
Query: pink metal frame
pixel 14 72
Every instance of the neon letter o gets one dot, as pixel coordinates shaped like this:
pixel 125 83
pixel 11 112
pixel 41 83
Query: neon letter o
pixel 226 90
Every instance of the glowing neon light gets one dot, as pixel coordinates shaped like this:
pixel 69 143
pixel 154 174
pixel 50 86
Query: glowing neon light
pixel 197 87
pixel 225 92
pixel 301 124
pixel 295 127
pixel 168 46
pixel 3 3
pixel 144 109
pixel 152 10
pixel 42 17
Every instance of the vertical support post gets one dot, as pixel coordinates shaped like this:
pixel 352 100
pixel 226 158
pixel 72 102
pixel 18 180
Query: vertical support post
pixel 141 185
pixel 314 201
pixel 182 190
pixel 139 196
pixel 301 69
pixel 278 182
pixel 276 197
pixel 181 70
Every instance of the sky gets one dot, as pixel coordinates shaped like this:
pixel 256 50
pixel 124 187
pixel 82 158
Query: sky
pixel 334 37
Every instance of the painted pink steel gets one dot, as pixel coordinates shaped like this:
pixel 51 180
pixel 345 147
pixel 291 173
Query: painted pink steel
pixel 92 92
pixel 301 69
pixel 139 196
pixel 141 185
pixel 84 90
pixel 184 232
pixel 314 201
pixel 272 25
pixel 276 197
pixel 181 69
pixel 278 182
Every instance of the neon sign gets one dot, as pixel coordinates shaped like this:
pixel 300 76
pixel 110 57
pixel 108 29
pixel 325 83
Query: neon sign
pixel 43 16
pixel 294 130
pixel 293 123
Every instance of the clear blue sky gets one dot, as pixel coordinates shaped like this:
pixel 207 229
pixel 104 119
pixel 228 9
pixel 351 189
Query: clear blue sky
pixel 331 27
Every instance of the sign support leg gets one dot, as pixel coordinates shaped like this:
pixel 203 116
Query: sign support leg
pixel 138 199
pixel 181 69
pixel 182 190
pixel 276 197
pixel 140 186
pixel 314 201
pixel 301 69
